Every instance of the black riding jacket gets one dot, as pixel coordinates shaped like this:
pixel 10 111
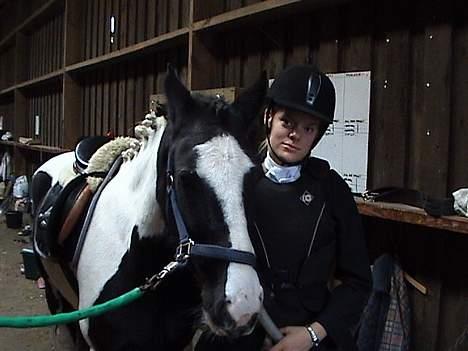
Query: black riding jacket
pixel 305 233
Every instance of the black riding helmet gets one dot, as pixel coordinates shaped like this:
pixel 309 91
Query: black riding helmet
pixel 306 89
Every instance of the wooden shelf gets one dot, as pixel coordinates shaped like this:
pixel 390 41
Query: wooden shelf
pixel 158 43
pixel 258 12
pixel 46 10
pixel 57 75
pixel 41 148
pixel 412 215
pixel 7 90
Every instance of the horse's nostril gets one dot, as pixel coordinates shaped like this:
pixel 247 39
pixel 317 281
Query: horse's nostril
pixel 228 301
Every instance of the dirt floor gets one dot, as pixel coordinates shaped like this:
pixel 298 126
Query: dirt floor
pixel 19 296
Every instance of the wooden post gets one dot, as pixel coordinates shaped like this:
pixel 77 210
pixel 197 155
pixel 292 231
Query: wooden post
pixel 73 31
pixel 72 121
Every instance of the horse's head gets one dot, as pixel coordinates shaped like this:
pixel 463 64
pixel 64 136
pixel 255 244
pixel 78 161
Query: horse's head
pixel 206 144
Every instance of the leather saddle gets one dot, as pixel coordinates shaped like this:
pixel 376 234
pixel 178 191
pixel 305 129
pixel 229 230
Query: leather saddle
pixel 62 209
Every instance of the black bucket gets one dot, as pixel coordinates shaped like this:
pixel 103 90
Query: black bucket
pixel 14 219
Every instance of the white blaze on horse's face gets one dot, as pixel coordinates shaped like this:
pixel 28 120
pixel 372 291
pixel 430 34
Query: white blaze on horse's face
pixel 243 291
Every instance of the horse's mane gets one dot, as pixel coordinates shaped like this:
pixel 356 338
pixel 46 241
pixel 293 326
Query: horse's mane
pixel 127 147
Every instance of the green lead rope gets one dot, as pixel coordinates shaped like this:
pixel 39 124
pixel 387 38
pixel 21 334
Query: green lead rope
pixel 64 318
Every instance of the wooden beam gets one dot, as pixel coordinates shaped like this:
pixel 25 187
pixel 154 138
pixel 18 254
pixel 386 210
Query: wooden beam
pixel 412 215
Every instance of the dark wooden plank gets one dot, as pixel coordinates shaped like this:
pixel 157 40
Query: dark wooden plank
pixel 173 15
pixel 454 308
pixel 123 24
pixel 92 110
pixel 151 19
pixel 327 57
pixel 130 96
pixel 102 28
pixel 105 101
pixel 232 63
pixel 202 55
pixel 99 91
pixel 86 105
pixel 298 40
pixel 161 19
pixel 72 114
pixel 141 99
pixel 207 8
pixel 184 13
pixel 113 100
pixel 356 31
pixel 390 83
pixel 107 29
pixel 87 20
pixel 122 100
pixel 233 4
pixel 432 94
pixel 458 174
pixel 141 20
pixel 132 21
pixel 273 49
pixel 94 36
pixel 160 68
pixel 252 65
pixel 150 75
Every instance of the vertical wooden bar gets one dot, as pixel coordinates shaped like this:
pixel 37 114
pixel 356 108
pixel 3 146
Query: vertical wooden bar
pixel 71 112
pixel 107 34
pixel 86 105
pixel 121 127
pixel 123 24
pixel 151 19
pixel 102 28
pixel 99 90
pixel 114 100
pixel 184 13
pixel 251 64
pixel 94 31
pixel 161 21
pixel 390 83
pixel 130 96
pixel 328 53
pixel 141 105
pixel 206 8
pixel 141 20
pixel 105 101
pixel 201 55
pixel 92 115
pixel 458 176
pixel 89 28
pixel 19 128
pixel 132 21
pixel 173 15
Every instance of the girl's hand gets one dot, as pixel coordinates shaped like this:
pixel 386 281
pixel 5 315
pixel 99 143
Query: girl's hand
pixel 295 339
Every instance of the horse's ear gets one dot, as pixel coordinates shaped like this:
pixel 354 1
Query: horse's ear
pixel 252 99
pixel 178 97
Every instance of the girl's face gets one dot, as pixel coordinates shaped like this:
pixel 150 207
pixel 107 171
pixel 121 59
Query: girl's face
pixel 292 134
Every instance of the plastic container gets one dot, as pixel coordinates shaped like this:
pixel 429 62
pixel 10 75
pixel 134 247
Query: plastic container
pixel 31 270
pixel 14 219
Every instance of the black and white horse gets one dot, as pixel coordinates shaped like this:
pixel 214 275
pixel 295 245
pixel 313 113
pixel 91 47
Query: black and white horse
pixel 131 235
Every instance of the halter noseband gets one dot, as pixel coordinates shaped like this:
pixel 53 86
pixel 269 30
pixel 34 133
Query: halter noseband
pixel 187 247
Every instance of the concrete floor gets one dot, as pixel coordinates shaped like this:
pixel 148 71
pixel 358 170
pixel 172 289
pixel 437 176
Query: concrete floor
pixel 19 296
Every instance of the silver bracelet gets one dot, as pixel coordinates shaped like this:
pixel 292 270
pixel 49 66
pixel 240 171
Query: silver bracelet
pixel 313 336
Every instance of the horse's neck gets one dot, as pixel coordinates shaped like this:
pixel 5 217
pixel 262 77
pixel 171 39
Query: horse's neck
pixel 135 187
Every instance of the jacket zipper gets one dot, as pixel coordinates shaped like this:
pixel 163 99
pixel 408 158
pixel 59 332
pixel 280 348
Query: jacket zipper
pixel 315 230
pixel 263 246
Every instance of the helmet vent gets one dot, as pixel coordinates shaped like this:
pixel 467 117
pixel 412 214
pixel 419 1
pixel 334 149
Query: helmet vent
pixel 313 88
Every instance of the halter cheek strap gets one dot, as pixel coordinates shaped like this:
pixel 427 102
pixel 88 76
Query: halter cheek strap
pixel 188 247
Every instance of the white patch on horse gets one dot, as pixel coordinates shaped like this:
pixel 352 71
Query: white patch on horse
pixel 222 164
pixel 59 168
pixel 132 196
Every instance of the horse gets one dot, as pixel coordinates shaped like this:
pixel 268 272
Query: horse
pixel 202 151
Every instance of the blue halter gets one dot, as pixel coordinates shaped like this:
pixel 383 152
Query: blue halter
pixel 188 247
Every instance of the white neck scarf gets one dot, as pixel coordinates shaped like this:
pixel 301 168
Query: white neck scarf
pixel 280 174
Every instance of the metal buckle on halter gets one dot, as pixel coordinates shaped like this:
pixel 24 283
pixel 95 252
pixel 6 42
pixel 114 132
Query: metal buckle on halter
pixel 183 250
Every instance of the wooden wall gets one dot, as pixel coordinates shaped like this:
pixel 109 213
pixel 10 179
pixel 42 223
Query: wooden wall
pixel 65 67
pixel 116 98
